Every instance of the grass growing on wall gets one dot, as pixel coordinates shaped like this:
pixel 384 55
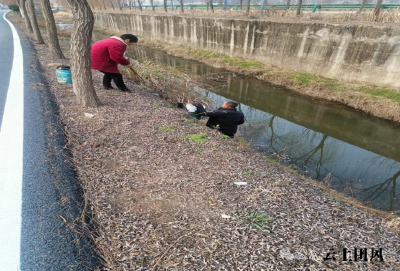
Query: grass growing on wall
pixel 233 61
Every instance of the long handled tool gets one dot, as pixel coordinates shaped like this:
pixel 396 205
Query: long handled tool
pixel 141 80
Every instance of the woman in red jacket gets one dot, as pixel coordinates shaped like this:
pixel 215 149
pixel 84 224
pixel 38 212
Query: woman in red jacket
pixel 107 54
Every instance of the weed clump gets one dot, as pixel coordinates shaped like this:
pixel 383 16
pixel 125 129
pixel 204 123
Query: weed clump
pixel 245 173
pixel 255 219
pixel 199 138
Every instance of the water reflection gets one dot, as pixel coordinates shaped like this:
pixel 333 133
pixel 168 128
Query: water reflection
pixel 350 151
pixel 290 127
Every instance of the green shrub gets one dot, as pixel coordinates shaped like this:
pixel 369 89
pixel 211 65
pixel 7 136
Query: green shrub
pixel 14 8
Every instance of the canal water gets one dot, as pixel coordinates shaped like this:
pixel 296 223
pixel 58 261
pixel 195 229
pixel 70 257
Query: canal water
pixel 347 150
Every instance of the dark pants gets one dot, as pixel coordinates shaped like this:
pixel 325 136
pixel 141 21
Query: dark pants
pixel 117 77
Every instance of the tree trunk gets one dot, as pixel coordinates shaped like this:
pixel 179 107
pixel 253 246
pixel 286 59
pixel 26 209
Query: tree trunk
pixel 26 16
pixel 212 6
pixel 263 5
pixel 299 2
pixel 248 8
pixel 165 5
pixel 32 16
pixel 287 4
pixel 98 4
pixel 361 7
pixel 377 9
pixel 140 5
pixel 152 4
pixel 104 5
pixel 130 4
pixel 119 4
pixel 181 4
pixel 81 39
pixel 112 5
pixel 51 30
pixel 241 4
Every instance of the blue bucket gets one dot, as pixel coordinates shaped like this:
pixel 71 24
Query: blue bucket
pixel 64 75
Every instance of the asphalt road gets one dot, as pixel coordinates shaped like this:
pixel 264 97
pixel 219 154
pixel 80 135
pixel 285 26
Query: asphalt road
pixel 44 224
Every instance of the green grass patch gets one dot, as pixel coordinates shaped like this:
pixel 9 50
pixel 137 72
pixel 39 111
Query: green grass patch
pixel 224 136
pixel 382 92
pixel 199 138
pixel 245 173
pixel 269 159
pixel 232 61
pixel 256 219
pixel 303 79
pixel 167 128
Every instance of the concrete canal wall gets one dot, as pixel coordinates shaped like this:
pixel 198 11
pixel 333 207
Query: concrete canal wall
pixel 357 53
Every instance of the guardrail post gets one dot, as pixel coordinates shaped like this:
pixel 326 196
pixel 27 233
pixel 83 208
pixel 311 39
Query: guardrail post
pixel 315 8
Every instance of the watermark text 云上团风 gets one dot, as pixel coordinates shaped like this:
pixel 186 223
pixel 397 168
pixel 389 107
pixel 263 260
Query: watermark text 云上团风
pixel 355 255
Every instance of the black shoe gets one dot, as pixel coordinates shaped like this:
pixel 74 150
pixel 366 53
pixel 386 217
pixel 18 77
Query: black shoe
pixel 108 88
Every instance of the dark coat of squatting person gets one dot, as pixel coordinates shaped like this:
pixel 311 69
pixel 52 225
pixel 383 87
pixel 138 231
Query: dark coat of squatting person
pixel 226 118
pixel 107 54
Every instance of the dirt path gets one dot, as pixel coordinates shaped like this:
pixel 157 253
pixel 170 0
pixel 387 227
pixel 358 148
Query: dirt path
pixel 165 197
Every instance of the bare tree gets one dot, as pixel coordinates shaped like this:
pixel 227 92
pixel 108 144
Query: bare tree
pixel 81 39
pixel 388 186
pixel 181 4
pixel 51 30
pixel 248 8
pixel 265 2
pixel 152 4
pixel 211 5
pixel 32 16
pixel 104 5
pixel 361 7
pixel 98 4
pixel 165 5
pixel 26 16
pixel 377 9
pixel 130 4
pixel 287 4
pixel 241 4
pixel 299 2
pixel 119 5
pixel 140 5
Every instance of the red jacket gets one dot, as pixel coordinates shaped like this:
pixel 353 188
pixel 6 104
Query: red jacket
pixel 107 54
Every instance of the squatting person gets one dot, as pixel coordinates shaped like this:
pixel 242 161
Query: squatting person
pixel 226 118
pixel 107 54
